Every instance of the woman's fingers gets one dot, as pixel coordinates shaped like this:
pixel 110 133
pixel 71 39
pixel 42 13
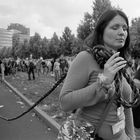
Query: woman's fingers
pixel 113 57
pixel 116 66
pixel 116 60
pixel 119 63
pixel 119 68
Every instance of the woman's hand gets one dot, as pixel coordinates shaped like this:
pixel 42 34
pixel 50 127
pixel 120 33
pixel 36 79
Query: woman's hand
pixel 112 66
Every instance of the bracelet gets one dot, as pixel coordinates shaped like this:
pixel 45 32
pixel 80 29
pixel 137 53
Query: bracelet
pixel 102 79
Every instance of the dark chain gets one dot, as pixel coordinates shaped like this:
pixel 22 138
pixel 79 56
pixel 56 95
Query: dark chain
pixel 101 55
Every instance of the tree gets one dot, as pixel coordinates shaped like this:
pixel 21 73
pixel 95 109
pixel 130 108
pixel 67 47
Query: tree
pixel 135 31
pixel 86 27
pixel 35 44
pixel 16 45
pixel 135 38
pixel 77 46
pixel 45 48
pixel 54 47
pixel 24 50
pixel 5 52
pixel 67 41
pixel 99 7
pixel 90 20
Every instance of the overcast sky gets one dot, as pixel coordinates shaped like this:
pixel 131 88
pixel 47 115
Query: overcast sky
pixel 48 16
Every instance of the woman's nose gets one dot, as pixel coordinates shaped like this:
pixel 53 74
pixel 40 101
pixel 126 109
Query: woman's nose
pixel 121 31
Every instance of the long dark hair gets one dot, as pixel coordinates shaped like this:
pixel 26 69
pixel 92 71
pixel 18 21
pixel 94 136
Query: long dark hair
pixel 96 37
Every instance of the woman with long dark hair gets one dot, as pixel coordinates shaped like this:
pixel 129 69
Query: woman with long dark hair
pixel 99 73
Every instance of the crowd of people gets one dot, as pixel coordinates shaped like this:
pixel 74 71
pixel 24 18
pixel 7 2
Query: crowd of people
pixel 36 67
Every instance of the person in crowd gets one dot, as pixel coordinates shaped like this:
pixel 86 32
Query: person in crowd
pixel 52 65
pixel 2 69
pixel 5 62
pixel 63 65
pixel 39 66
pixel 44 67
pixel 56 70
pixel 93 78
pixel 25 64
pixel 13 67
pixel 49 65
pixel 31 68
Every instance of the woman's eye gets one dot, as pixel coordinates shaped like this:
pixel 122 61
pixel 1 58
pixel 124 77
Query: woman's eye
pixel 125 28
pixel 115 27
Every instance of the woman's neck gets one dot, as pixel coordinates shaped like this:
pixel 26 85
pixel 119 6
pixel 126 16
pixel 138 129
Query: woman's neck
pixel 110 49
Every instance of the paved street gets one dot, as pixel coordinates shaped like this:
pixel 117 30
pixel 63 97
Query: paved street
pixel 29 127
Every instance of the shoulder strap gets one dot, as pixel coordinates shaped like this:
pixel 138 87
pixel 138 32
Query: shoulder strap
pixel 103 116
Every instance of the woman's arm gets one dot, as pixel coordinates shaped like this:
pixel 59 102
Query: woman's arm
pixel 75 93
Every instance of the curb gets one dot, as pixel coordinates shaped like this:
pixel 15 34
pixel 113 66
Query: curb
pixel 51 122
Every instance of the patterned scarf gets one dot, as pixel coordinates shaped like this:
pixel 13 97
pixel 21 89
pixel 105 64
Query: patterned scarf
pixel 101 55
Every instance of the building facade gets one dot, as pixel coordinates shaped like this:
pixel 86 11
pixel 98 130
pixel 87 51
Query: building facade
pixel 6 35
pixel 5 38
pixel 21 31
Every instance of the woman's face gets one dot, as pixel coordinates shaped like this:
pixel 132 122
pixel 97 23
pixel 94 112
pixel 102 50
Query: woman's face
pixel 115 33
